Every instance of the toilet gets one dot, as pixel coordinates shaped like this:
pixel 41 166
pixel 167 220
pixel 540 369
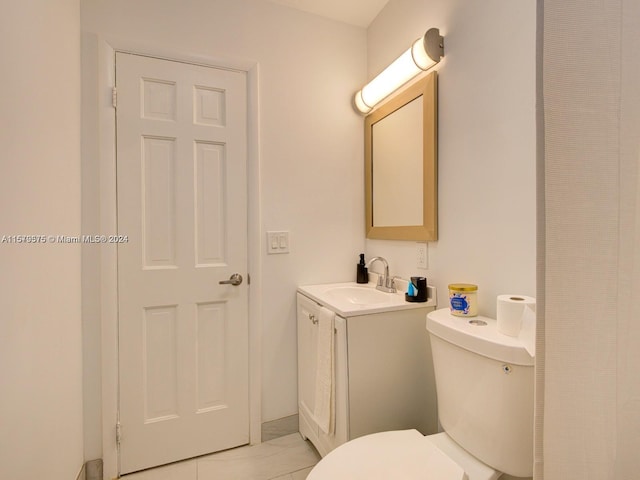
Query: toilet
pixel 484 385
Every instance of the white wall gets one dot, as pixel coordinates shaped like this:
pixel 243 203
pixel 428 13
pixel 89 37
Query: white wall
pixel 310 149
pixel 40 331
pixel 487 150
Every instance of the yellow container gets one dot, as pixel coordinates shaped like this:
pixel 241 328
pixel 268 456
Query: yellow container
pixel 463 299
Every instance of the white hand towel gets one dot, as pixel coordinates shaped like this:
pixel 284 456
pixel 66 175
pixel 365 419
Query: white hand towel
pixel 324 405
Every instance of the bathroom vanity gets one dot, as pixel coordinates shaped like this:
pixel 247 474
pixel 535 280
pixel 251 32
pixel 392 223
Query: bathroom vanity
pixel 382 362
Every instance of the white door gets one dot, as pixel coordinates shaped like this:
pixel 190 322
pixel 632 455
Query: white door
pixel 182 204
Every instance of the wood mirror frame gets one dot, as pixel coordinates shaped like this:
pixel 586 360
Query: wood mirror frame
pixel 428 231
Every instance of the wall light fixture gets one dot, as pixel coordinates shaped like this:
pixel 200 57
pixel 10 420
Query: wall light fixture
pixel 421 56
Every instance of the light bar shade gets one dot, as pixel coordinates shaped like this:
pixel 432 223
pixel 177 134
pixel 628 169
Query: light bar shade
pixel 422 55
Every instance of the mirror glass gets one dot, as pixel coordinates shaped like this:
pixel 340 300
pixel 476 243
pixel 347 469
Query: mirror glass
pixel 400 173
pixel 397 183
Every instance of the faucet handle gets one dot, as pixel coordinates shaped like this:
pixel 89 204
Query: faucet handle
pixel 386 284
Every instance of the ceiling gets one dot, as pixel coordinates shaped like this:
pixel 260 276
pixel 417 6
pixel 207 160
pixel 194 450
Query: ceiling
pixel 355 12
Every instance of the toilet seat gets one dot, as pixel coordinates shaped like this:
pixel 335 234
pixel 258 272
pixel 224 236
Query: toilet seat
pixel 405 454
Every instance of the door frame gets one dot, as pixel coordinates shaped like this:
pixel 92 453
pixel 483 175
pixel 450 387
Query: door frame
pixel 105 50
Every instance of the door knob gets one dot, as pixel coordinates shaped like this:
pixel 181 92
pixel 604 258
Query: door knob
pixel 235 280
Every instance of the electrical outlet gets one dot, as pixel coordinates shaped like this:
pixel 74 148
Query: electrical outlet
pixel 422 256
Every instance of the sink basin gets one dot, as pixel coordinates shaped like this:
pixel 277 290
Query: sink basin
pixel 358 295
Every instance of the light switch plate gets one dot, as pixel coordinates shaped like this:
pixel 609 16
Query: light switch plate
pixel 277 242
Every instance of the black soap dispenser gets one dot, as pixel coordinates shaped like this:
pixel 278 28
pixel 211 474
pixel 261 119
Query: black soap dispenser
pixel 362 275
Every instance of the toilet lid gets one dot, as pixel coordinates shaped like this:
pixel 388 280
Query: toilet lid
pixel 388 455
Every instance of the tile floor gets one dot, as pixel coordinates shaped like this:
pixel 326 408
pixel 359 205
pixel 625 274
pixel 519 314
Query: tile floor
pixel 285 458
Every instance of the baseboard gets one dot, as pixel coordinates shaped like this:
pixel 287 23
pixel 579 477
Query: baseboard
pixel 82 474
pixel 93 470
pixel 280 427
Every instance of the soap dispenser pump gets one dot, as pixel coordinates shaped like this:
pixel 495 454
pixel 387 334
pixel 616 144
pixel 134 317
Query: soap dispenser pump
pixel 362 275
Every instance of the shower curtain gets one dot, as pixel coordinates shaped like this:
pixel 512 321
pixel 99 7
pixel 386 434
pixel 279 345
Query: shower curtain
pixel 588 350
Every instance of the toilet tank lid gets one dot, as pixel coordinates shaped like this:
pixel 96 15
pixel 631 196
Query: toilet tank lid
pixel 479 335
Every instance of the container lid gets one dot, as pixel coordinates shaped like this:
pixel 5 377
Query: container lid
pixel 463 287
pixel 405 454
pixel 479 335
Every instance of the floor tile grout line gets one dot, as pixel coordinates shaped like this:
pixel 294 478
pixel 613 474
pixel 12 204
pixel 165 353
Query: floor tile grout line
pixel 302 464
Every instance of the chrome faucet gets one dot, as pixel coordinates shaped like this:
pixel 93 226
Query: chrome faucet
pixel 385 283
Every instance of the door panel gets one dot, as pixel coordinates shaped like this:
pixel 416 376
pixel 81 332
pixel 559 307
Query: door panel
pixel 183 337
pixel 210 203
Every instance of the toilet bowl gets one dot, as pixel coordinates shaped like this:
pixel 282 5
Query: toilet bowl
pixel 404 454
pixel 484 385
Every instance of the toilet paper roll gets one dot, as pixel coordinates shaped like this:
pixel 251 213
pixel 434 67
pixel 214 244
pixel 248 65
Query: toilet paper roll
pixel 510 310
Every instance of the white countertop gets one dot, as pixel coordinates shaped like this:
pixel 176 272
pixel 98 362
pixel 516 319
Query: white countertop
pixel 330 295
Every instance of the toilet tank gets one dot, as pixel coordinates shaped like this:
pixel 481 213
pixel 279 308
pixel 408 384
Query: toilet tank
pixel 484 385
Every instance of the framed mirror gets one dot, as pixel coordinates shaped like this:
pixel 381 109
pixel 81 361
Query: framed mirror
pixel 401 195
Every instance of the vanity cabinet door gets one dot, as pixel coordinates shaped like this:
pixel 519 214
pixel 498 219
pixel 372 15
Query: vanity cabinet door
pixel 308 312
pixel 307 353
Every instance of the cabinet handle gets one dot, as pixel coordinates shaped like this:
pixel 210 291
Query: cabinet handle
pixel 313 319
